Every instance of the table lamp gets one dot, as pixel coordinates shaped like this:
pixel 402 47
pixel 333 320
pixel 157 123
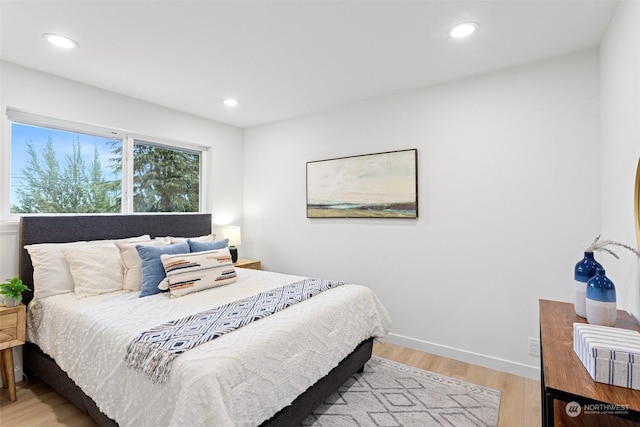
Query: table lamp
pixel 233 234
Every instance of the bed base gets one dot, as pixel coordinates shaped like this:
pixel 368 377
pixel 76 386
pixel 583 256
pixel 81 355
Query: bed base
pixel 316 394
pixel 44 367
pixel 38 364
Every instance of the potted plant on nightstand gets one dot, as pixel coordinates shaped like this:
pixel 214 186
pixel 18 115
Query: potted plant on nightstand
pixel 12 290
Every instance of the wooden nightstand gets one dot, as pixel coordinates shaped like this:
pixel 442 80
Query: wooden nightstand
pixel 247 263
pixel 12 334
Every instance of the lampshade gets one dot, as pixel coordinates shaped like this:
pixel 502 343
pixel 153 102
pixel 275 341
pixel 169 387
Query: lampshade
pixel 233 234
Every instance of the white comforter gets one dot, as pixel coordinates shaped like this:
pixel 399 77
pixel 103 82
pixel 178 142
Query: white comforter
pixel 239 379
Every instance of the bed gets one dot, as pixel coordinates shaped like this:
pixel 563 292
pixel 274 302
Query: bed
pixel 238 379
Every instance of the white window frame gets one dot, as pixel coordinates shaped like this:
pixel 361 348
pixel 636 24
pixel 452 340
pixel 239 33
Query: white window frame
pixel 15 115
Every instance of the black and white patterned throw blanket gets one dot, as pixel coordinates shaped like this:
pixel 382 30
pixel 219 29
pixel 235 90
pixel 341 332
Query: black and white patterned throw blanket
pixel 153 351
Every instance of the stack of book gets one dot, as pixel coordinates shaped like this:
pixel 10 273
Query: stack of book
pixel 610 355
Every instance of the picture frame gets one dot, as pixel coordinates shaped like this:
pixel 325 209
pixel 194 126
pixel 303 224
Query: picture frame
pixel 377 185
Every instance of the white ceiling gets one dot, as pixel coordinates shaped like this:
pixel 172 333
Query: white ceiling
pixel 288 58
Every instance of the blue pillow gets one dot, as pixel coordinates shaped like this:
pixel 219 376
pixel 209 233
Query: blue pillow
pixel 207 246
pixel 152 268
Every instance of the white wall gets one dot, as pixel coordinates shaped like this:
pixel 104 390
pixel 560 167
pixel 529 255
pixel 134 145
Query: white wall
pixel 505 160
pixel 42 93
pixel 620 134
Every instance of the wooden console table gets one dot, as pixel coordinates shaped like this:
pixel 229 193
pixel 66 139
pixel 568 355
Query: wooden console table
pixel 564 378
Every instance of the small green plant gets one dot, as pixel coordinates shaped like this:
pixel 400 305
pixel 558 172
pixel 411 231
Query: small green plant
pixel 13 288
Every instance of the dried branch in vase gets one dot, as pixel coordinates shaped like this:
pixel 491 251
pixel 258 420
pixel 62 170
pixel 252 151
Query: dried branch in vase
pixel 601 245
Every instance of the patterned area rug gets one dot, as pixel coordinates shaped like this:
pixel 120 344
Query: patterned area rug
pixel 389 394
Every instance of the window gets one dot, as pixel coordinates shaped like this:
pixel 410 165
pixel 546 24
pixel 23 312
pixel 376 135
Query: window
pixel 59 169
pixel 55 171
pixel 165 179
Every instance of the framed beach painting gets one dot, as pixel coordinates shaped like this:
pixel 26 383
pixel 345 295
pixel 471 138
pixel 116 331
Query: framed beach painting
pixel 379 185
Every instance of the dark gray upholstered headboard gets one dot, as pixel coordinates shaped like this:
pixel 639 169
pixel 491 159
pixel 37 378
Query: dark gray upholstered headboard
pixel 71 228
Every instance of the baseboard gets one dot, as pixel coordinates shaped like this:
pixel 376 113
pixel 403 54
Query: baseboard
pixel 498 364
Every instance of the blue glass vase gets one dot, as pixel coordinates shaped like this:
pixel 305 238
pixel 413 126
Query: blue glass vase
pixel 601 300
pixel 585 269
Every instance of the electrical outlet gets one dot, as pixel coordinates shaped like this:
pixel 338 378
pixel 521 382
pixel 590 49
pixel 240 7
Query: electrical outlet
pixel 534 347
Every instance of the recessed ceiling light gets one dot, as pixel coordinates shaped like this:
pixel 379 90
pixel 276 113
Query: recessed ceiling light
pixel 61 41
pixel 464 29
pixel 230 102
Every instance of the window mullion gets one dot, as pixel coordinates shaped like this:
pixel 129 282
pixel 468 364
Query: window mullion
pixel 205 205
pixel 127 174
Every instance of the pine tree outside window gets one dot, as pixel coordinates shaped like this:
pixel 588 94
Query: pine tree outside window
pixel 165 179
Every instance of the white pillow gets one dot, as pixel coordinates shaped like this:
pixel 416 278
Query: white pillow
pixel 132 264
pixel 51 275
pixel 197 271
pixel 174 240
pixel 96 269
pixel 110 242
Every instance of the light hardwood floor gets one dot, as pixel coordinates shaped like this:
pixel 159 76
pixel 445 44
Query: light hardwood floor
pixel 39 405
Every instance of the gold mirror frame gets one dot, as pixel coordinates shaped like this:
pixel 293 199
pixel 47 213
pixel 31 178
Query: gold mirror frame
pixel 637 203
